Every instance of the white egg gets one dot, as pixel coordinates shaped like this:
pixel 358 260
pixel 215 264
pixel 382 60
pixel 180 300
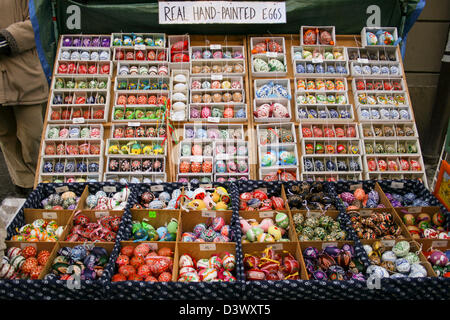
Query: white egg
pixel 180 78
pixel 178 96
pixel 179 106
pixel 179 87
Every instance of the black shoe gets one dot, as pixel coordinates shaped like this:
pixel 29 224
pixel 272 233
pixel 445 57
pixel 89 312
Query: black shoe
pixel 23 192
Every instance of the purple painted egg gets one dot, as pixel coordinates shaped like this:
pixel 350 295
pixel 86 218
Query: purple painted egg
pixel 95 42
pixel 88 274
pixel 199 228
pixel 310 253
pixel 374 196
pixel 106 42
pixel 99 252
pixel 90 261
pixel 437 258
pixel 319 275
pixel 76 42
pixel 67 42
pixel 349 248
pixel 332 251
pixel 347 197
pixel 359 277
pixel 389 196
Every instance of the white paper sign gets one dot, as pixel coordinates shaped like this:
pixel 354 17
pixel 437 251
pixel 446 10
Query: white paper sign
pixel 276 247
pixel 214 119
pixel 266 214
pixel 207 247
pixel 415 210
pixel 215 46
pixel 101 214
pixel 62 189
pixel 78 120
pixel 109 189
pixel 216 77
pixel 157 188
pixel 397 185
pixel 208 214
pixel 49 215
pixel 388 243
pixel 223 12
pixel 362 60
pixel 134 124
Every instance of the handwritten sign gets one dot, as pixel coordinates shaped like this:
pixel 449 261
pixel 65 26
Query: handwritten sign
pixel 222 12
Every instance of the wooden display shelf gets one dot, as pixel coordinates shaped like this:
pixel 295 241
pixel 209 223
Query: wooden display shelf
pixel 249 124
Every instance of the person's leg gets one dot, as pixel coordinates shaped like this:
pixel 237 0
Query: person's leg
pixel 11 147
pixel 29 124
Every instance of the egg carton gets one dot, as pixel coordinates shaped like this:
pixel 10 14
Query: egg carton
pixel 179 98
pixel 231 177
pixel 330 29
pixel 74 95
pixel 72 142
pixel 391 30
pixel 69 127
pixel 193 177
pixel 195 159
pixel 173 39
pixel 330 177
pixel 382 127
pixel 144 141
pixel 233 67
pixel 236 134
pixel 207 97
pixel 147 93
pixel 305 95
pixel 189 143
pixel 347 109
pixel 77 79
pixel 102 68
pixel 74 54
pixel 141 83
pixel 255 40
pixel 334 127
pixel 134 125
pixel 259 83
pixel 220 78
pixel 217 47
pixel 393 145
pixel 395 158
pixel 352 147
pixel 265 173
pixel 228 159
pixel 394 96
pixel 236 107
pixel 326 65
pixel 162 69
pixel 368 114
pixel 277 149
pixel 140 54
pixel 153 36
pixel 132 119
pixel 121 171
pixel 371 54
pixel 266 57
pixel 135 178
pixel 84 36
pixel 89 113
pixel 226 150
pixel 52 178
pixel 307 79
pixel 261 128
pixel 297 53
pixel 379 64
pixel 334 158
pixel 68 159
pixel 284 102
pixel 384 82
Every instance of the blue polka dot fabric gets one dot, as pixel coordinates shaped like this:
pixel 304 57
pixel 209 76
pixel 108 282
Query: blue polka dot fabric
pixel 406 288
